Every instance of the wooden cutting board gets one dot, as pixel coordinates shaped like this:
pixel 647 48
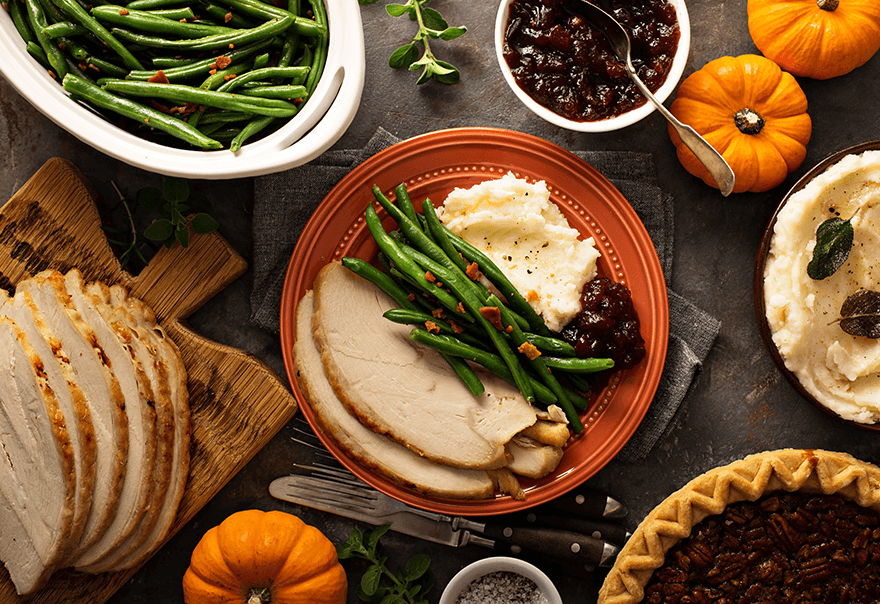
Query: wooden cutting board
pixel 238 403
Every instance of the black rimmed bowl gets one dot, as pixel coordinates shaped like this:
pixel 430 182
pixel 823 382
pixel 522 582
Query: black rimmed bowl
pixel 758 282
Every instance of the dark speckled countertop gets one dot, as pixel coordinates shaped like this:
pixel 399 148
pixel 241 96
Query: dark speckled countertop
pixel 741 405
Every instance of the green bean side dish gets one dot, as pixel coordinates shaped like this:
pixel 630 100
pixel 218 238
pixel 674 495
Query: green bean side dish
pixel 461 319
pixel 207 74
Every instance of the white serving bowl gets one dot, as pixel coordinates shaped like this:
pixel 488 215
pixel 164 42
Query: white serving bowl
pixel 615 123
pixel 308 134
pixel 474 571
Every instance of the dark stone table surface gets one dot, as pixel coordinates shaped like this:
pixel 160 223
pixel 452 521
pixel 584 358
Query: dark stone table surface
pixel 741 405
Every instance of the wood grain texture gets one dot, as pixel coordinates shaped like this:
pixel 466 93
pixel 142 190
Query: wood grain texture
pixel 238 403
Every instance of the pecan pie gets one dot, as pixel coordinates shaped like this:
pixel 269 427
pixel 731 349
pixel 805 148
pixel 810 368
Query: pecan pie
pixel 780 526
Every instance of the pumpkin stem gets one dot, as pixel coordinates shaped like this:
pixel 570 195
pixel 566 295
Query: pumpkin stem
pixel 259 595
pixel 748 121
pixel 829 5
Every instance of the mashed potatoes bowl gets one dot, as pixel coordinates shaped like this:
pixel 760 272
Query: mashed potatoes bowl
pixel 798 316
pixel 308 134
pixel 606 125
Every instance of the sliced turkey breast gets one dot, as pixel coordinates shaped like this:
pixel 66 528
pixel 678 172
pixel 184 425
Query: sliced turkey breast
pixel 150 331
pixel 531 458
pixel 101 389
pixel 370 449
pixel 116 340
pixel 403 390
pixel 63 381
pixel 37 468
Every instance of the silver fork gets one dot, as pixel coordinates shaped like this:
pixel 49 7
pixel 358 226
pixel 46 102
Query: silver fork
pixel 342 488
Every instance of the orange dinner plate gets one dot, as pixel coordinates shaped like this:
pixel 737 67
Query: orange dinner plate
pixel 432 165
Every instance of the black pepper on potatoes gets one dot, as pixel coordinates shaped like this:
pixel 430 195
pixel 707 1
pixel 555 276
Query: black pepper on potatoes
pixel 787 548
pixel 567 65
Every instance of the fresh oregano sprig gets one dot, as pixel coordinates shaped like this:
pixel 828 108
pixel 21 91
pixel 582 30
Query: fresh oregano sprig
pixel 431 26
pixel 379 583
pixel 185 209
pixel 176 199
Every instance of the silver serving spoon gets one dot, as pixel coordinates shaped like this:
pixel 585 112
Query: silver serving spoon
pixel 622 48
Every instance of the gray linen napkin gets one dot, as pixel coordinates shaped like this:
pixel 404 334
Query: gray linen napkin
pixel 285 201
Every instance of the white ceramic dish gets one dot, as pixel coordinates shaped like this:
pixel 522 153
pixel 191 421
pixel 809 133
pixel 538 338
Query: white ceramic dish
pixel 483 567
pixel 621 121
pixel 320 124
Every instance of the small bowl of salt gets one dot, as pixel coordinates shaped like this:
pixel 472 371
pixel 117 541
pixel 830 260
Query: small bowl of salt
pixel 500 580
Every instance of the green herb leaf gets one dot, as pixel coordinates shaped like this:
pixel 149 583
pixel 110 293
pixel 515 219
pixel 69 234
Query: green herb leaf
pixel 175 190
pixel 397 10
pixel 160 230
pixel 403 56
pixel 451 33
pixel 433 20
pixel 417 566
pixel 371 579
pixel 860 314
pixel 149 197
pixel 834 239
pixel 202 223
pixel 182 235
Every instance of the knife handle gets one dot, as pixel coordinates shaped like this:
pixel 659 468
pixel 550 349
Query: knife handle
pixel 590 503
pixel 598 529
pixel 565 545
pixel 552 566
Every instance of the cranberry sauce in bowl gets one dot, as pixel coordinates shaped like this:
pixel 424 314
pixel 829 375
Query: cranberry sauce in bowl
pixel 563 68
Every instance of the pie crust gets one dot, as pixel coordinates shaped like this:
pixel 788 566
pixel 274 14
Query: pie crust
pixel 806 470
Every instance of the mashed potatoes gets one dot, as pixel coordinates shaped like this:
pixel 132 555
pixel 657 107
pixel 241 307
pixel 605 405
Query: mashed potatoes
pixel 840 370
pixel 526 235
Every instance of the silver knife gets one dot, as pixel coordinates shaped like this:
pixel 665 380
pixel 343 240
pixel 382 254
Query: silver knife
pixel 575 550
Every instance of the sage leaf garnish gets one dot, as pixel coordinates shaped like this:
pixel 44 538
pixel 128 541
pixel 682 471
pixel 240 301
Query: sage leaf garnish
pixel 860 314
pixel 834 239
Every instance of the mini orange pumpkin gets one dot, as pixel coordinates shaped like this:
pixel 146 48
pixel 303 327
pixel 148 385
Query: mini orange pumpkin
pixel 752 112
pixel 818 39
pixel 255 557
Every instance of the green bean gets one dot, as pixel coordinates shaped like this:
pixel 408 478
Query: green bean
pixel 210 42
pixel 295 74
pixel 491 271
pixel 184 12
pixel 220 14
pixel 225 117
pixel 490 361
pixel 261 61
pixel 321 48
pixel 19 20
pixel 381 280
pixel 435 227
pixel 405 316
pixel 141 114
pixel 578 382
pixel 579 365
pixel 301 25
pixel 462 287
pixel 77 13
pixel 187 94
pixel 250 129
pixel 540 367
pixel 465 374
pixel 106 67
pixel 154 4
pixel 201 67
pixel 287 93
pixel 171 62
pixel 406 264
pixel 144 21
pixel 73 48
pixel 552 345
pixel 37 20
pixel 215 80
pixel 64 28
pixel 37 52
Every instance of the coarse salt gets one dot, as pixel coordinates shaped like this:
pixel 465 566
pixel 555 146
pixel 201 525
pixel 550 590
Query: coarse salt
pixel 502 587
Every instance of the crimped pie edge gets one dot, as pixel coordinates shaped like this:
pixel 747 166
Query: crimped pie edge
pixel 807 470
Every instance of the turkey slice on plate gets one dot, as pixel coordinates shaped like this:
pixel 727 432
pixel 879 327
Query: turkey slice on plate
pixel 404 390
pixel 370 449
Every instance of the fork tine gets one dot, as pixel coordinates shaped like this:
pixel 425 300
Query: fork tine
pixel 342 490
